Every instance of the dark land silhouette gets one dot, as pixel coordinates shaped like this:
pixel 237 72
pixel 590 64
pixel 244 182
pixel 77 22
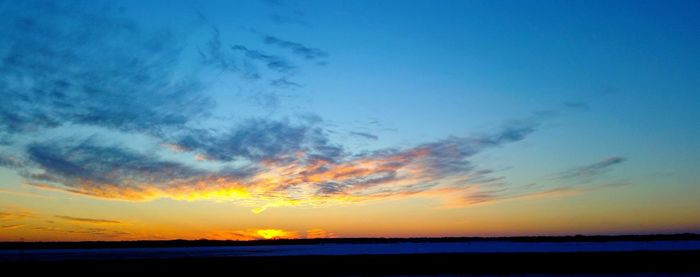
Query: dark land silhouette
pixel 665 262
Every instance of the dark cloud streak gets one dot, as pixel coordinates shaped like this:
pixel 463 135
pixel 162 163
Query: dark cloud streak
pixel 299 49
pixel 364 135
pixel 285 83
pixel 275 63
pixel 588 173
pixel 87 220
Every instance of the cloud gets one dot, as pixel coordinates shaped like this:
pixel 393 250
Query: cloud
pixel 579 179
pixel 299 49
pixel 319 234
pixel 275 63
pixel 14 215
pixel 23 194
pixel 259 139
pixel 588 173
pixel 286 167
pixel 9 161
pixel 12 226
pixel 578 105
pixel 279 64
pixel 330 188
pixel 99 232
pixel 88 164
pixel 62 65
pixel 87 220
pixel 507 195
pixel 364 135
pixel 214 53
pixel 285 83
pixel 5 215
pixel 490 190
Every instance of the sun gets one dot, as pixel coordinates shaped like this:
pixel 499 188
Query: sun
pixel 272 233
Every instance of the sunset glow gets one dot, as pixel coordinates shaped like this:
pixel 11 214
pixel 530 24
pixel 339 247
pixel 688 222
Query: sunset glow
pixel 274 234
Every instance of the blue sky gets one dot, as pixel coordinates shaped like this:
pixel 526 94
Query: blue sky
pixel 461 102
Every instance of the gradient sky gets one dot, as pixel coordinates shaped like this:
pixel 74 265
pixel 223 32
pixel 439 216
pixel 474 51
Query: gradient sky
pixel 128 120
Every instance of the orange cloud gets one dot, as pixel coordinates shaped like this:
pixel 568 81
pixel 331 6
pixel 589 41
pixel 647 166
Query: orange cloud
pixel 87 220
pixel 15 215
pixel 318 234
pixel 13 226
pixel 289 184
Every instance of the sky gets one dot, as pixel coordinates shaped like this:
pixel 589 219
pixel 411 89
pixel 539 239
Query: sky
pixel 240 120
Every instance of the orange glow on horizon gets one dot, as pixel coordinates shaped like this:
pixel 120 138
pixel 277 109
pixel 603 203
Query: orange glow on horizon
pixel 275 234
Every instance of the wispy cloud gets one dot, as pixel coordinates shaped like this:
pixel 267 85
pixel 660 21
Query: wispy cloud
pixel 259 139
pixel 87 220
pixel 214 53
pixel 590 172
pixel 12 226
pixel 364 135
pixel 14 215
pixel 9 161
pixel 299 49
pixel 23 194
pixel 273 62
pixel 284 82
pixel 577 105
pixel 319 234
pixel 568 183
pixel 92 231
pixel 493 196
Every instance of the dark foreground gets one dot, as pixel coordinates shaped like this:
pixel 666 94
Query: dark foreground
pixel 657 255
pixel 583 263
